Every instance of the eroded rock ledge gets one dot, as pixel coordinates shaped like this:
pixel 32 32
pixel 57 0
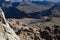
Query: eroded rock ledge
pixel 6 32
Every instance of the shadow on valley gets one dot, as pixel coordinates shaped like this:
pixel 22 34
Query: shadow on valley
pixel 13 12
pixel 39 14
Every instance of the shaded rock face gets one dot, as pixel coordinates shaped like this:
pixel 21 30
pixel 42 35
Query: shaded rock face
pixel 51 33
pixel 6 33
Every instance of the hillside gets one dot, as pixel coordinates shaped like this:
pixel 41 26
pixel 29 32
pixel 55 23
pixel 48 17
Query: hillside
pixel 29 7
pixel 29 21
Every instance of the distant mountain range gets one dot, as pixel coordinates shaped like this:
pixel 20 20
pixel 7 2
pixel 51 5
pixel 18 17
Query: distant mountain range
pixel 43 3
pixel 34 9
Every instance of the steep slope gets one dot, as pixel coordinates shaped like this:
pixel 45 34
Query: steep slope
pixel 55 10
pixel 6 32
pixel 29 10
pixel 25 10
pixel 13 12
pixel 29 7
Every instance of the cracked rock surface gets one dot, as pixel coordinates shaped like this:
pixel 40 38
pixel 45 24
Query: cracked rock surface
pixel 6 32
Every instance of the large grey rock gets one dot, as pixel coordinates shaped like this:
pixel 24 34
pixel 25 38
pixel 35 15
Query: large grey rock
pixel 6 32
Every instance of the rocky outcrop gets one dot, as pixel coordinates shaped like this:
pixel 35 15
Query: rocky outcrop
pixel 6 32
pixel 47 28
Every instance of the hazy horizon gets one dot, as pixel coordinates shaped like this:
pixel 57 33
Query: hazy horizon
pixel 37 0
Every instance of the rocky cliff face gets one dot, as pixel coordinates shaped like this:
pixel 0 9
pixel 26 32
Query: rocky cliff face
pixel 6 33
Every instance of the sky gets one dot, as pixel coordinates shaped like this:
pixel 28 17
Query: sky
pixel 53 0
pixel 40 0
